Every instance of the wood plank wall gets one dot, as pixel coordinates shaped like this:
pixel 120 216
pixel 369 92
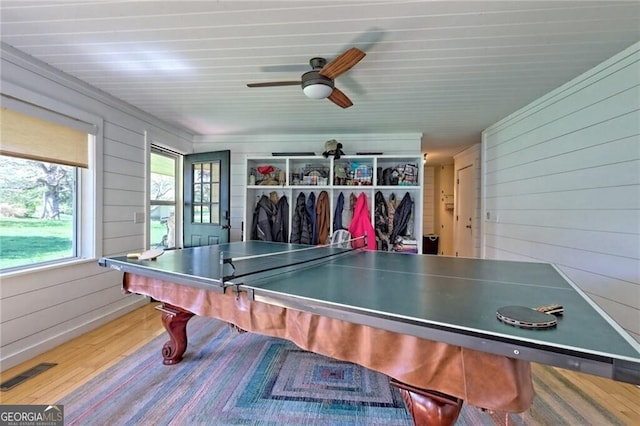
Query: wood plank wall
pixel 242 146
pixel 43 308
pixel 562 184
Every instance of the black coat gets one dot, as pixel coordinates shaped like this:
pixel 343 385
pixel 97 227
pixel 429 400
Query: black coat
pixel 337 216
pixel 263 220
pixel 301 226
pixel 311 211
pixel 281 223
pixel 401 218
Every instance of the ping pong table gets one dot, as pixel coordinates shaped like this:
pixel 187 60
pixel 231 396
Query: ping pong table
pixel 428 322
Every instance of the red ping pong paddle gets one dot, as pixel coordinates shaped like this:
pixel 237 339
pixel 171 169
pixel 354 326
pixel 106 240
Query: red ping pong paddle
pixel 524 317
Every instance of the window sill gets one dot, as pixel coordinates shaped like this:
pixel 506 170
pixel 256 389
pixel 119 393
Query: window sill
pixel 48 267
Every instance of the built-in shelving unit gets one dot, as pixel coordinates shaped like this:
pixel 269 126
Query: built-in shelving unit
pixel 289 176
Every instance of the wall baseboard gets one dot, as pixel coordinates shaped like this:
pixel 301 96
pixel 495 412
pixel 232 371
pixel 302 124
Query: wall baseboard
pixel 11 360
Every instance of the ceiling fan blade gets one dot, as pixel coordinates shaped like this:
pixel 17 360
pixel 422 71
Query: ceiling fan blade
pixel 339 98
pixel 342 63
pixel 275 83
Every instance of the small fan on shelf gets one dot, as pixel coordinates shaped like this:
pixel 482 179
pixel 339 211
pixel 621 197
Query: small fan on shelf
pixel 319 82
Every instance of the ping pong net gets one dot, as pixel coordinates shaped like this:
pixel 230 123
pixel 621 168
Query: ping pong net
pixel 232 268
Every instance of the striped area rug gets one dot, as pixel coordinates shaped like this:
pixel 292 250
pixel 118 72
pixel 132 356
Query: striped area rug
pixel 231 379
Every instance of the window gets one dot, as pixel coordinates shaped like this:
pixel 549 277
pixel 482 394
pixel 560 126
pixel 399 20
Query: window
pixel 37 212
pixel 206 193
pixel 163 215
pixel 48 192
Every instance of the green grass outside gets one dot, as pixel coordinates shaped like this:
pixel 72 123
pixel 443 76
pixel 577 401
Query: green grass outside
pixel 158 231
pixel 29 241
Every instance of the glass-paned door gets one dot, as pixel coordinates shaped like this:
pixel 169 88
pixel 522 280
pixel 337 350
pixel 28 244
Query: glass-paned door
pixel 206 211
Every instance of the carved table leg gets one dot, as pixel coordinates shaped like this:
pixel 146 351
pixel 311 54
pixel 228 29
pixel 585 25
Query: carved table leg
pixel 427 407
pixel 175 321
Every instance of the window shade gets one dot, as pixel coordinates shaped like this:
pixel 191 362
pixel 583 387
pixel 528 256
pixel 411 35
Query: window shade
pixel 25 136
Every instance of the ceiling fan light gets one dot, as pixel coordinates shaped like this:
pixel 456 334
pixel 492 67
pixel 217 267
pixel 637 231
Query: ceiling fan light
pixel 317 91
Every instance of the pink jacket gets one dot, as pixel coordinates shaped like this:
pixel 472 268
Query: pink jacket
pixel 361 224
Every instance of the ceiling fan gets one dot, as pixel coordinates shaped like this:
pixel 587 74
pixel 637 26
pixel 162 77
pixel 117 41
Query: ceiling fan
pixel 319 82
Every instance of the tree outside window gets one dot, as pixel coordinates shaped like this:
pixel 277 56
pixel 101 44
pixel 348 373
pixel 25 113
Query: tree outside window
pixel 37 205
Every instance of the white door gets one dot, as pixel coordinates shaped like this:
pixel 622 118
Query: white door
pixel 465 206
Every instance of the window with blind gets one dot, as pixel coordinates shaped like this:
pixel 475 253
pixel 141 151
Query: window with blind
pixel 42 157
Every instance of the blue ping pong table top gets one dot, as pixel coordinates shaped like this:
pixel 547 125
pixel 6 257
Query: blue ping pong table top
pixel 447 299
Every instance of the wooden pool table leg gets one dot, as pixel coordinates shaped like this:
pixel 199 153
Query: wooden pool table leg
pixel 429 407
pixel 175 321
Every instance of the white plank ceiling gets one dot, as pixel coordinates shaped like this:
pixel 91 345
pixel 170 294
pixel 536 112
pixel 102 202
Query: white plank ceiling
pixel 447 69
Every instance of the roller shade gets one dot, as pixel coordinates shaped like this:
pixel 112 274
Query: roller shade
pixel 26 136
pixel 163 165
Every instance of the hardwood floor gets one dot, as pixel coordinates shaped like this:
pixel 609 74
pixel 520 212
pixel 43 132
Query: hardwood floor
pixel 88 355
pixel 83 358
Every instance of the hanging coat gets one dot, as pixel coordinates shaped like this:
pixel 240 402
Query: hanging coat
pixel 323 217
pixel 347 214
pixel 337 215
pixel 391 210
pixel 361 225
pixel 311 211
pixel 381 217
pixel 281 221
pixel 401 218
pixel 301 222
pixel 263 219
